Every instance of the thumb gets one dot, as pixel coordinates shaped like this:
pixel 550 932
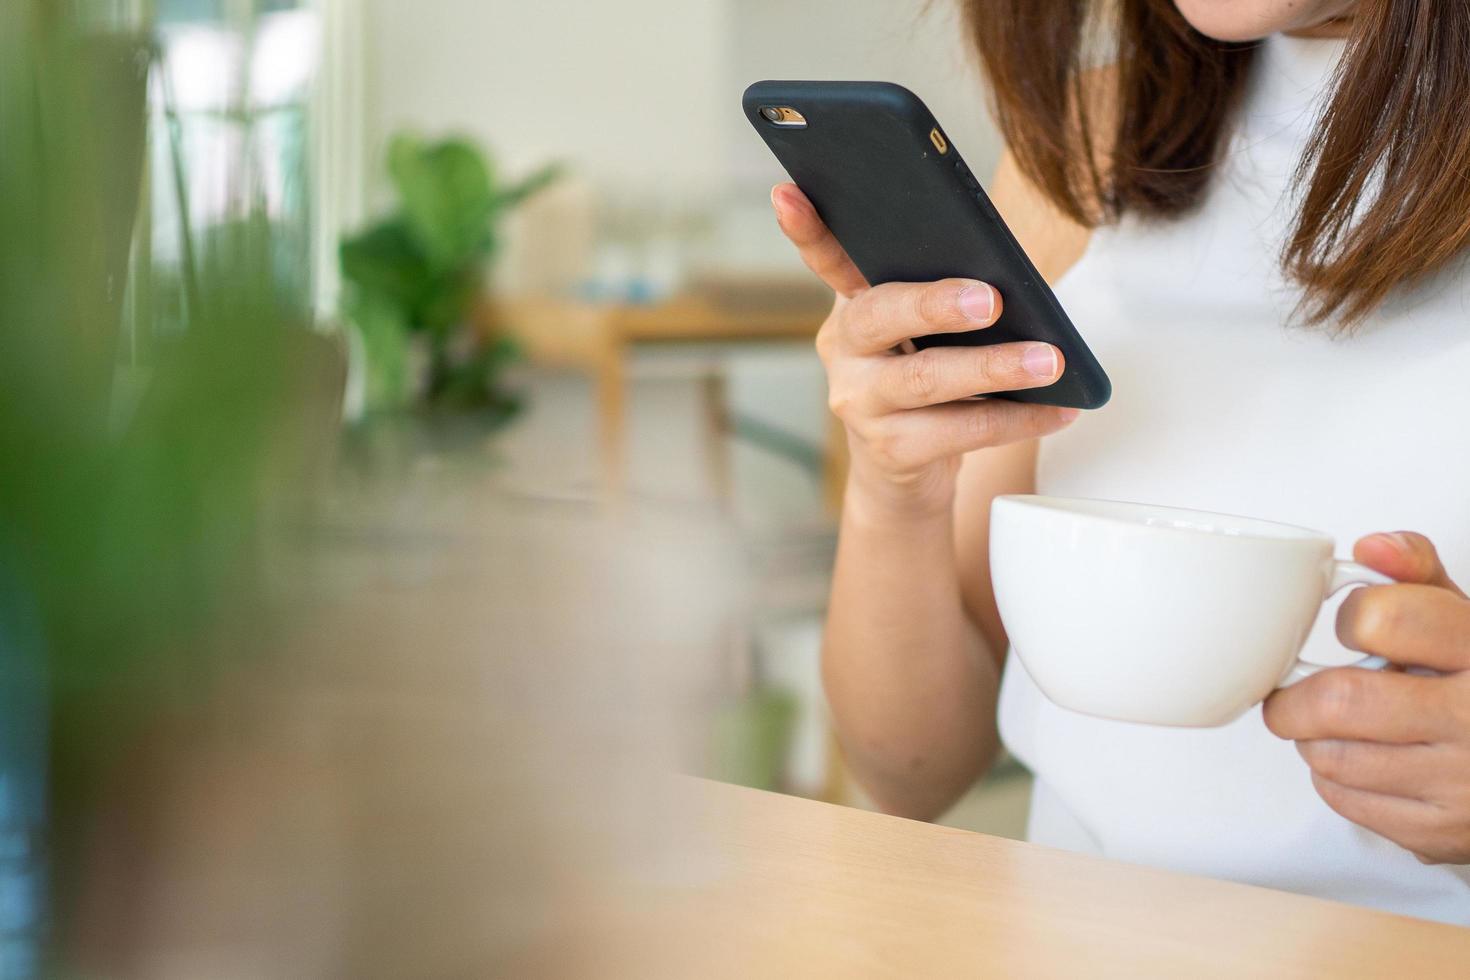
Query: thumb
pixel 1406 557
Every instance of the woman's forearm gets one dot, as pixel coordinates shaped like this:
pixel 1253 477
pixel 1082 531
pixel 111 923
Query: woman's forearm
pixel 911 684
pixel 910 681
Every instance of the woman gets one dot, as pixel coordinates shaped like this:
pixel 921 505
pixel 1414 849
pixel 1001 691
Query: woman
pixel 1257 212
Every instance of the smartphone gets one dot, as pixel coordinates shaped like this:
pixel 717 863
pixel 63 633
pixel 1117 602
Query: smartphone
pixel 894 190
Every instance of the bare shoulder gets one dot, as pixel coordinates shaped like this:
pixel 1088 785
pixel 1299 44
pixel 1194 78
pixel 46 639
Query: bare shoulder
pixel 1053 241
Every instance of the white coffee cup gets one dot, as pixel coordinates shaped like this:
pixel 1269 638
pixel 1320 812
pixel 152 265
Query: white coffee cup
pixel 1156 614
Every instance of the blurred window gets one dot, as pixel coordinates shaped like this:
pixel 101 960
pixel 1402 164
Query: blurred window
pixel 228 134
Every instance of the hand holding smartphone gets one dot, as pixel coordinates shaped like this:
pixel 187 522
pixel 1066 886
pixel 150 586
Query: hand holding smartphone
pixel 895 193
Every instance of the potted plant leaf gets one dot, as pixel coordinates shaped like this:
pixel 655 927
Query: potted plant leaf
pixel 132 529
pixel 414 276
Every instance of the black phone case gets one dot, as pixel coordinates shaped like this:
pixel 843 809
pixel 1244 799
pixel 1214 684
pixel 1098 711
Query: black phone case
pixel 907 212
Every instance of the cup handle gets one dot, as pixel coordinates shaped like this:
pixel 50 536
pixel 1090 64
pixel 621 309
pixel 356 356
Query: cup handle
pixel 1344 574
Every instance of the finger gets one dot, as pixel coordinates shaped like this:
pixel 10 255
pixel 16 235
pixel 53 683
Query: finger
pixel 912 439
pixel 1353 703
pixel 881 317
pixel 1414 625
pixel 1412 824
pixel 945 374
pixel 818 246
pixel 1413 772
pixel 1405 556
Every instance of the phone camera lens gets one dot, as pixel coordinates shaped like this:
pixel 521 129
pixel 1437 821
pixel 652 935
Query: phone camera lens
pixel 771 113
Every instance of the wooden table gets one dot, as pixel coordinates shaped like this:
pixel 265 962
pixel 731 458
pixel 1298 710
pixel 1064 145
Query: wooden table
pixel 783 887
pixel 598 338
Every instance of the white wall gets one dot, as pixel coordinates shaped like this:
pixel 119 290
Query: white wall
pixel 621 90
pixel 642 97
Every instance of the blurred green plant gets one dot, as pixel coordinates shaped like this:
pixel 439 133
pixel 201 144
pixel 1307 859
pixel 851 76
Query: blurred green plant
pixel 750 740
pixel 422 269
pixel 130 522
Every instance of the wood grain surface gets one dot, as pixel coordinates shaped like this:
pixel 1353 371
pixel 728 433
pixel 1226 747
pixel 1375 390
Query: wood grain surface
pixel 779 886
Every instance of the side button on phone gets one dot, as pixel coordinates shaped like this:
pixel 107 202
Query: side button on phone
pixel 988 209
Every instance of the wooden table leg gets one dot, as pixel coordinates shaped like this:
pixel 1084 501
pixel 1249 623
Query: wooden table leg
pixel 835 782
pixel 612 399
pixel 717 433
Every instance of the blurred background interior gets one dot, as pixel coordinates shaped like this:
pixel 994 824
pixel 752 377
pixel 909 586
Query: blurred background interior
pixel 666 323
pixel 509 454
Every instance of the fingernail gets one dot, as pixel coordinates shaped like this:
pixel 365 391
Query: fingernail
pixel 1399 541
pixel 1068 415
pixel 1040 360
pixel 977 302
pixel 776 203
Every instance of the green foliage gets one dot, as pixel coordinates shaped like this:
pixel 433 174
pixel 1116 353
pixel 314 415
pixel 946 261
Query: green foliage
pixel 422 268
pixel 751 738
pixel 130 519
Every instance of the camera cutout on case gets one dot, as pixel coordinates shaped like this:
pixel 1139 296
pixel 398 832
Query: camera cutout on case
pixel 783 116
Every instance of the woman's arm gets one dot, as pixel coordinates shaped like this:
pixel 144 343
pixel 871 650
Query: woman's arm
pixel 913 648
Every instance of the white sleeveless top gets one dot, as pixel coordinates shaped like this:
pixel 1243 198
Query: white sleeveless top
pixel 1220 404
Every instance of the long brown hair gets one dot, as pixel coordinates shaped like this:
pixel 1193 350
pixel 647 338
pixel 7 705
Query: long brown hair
pixel 1384 182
